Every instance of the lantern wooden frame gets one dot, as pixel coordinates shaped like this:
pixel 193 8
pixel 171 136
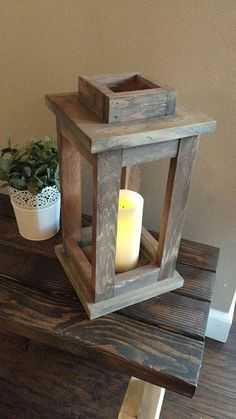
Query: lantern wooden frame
pixel 114 151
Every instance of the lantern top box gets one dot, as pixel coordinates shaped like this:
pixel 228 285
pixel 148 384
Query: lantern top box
pixel 116 123
pixel 126 97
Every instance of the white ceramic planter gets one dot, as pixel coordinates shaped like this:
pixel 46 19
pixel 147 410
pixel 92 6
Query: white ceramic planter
pixel 37 217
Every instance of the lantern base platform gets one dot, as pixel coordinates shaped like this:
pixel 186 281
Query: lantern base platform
pixel 121 300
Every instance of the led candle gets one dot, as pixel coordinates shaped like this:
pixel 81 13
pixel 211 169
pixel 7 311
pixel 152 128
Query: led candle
pixel 129 226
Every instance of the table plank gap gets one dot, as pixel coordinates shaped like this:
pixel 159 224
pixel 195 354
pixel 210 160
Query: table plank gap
pixel 170 311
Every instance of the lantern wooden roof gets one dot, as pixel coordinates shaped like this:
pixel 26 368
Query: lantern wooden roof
pixel 97 136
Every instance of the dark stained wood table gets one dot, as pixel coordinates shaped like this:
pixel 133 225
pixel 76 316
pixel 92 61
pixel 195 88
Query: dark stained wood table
pixel 160 341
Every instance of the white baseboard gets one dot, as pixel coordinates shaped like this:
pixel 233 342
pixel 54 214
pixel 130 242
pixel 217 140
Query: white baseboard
pixel 219 323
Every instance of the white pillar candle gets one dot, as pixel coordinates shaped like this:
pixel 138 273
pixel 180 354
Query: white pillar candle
pixel 129 226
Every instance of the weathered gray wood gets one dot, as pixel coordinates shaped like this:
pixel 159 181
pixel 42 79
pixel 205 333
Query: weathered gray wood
pixel 136 279
pixel 106 187
pixel 67 133
pixel 86 236
pixel 93 96
pixel 70 180
pixel 149 244
pixel 120 299
pixel 175 205
pixel 110 81
pixel 79 283
pixel 81 263
pixel 124 97
pixel 148 153
pixel 131 107
pixel 131 178
pixel 143 258
pixel 171 102
pixel 98 136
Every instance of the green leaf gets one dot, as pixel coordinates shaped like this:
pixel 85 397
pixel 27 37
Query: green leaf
pixel 32 166
pixel 9 139
pixel 43 179
pixel 32 188
pixel 41 169
pixel 26 171
pixel 4 166
pixel 18 183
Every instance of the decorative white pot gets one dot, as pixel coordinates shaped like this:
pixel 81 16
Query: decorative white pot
pixel 37 217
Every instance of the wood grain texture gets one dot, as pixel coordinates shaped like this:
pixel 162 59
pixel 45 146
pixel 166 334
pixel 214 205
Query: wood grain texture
pixel 6 208
pixel 198 283
pixel 149 244
pixel 38 301
pixel 116 98
pixel 131 178
pixel 216 392
pixel 9 235
pixel 92 97
pixel 172 220
pixel 153 354
pixel 132 288
pixel 173 410
pixel 106 187
pixel 34 270
pixel 136 278
pixel 40 382
pixel 70 182
pixel 196 254
pixel 170 311
pixel 81 264
pixel 97 136
pixel 68 133
pixel 131 107
pixel 148 153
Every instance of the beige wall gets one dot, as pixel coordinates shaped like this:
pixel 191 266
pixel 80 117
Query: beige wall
pixel 189 44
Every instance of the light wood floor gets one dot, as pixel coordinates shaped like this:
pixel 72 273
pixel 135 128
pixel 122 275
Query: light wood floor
pixel 215 396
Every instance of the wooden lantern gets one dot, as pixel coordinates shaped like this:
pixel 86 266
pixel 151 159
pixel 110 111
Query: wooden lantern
pixel 148 130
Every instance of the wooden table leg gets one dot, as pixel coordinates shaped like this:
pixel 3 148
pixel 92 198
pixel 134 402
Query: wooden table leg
pixel 142 401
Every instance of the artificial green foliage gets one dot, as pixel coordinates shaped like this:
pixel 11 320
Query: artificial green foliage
pixel 33 166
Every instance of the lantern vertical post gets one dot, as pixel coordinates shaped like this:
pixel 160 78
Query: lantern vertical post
pixel 70 180
pixel 178 182
pixel 106 187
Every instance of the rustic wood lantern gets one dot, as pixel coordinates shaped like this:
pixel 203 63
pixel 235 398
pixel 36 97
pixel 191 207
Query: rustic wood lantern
pixel 117 122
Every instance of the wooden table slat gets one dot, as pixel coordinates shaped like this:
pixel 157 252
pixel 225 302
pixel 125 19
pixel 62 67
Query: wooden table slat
pixel 155 355
pixel 198 283
pixel 40 382
pixel 170 311
pixel 196 254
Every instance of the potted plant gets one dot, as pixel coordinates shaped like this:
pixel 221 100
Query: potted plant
pixel 31 173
